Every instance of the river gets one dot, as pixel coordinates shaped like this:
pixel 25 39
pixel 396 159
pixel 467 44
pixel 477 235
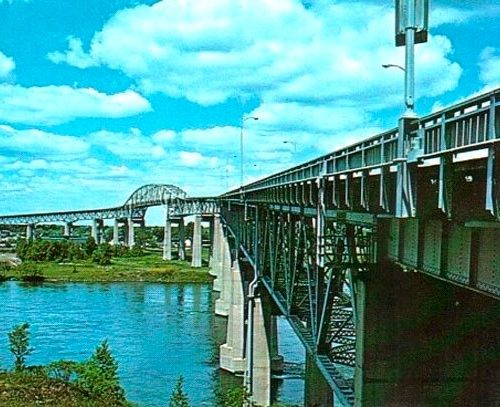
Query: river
pixel 157 332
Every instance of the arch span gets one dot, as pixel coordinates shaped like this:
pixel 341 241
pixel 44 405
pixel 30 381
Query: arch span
pixel 154 194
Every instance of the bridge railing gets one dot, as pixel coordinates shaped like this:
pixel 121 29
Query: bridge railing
pixel 472 124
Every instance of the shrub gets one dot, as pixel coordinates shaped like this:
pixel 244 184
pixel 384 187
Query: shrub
pixel 98 376
pixel 19 345
pixel 31 273
pixel 178 397
pixel 103 255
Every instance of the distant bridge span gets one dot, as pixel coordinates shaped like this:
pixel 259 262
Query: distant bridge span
pixel 134 207
pixel 174 199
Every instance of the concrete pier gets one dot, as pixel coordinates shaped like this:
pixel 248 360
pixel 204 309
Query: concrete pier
pixel 30 232
pixel 131 235
pixel 217 250
pixel 224 301
pixel 167 239
pixel 116 231
pixel 196 245
pixel 67 229
pixel 182 237
pixel 260 383
pixel 232 352
pixel 96 232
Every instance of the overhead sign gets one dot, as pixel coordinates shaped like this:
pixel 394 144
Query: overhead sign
pixel 412 14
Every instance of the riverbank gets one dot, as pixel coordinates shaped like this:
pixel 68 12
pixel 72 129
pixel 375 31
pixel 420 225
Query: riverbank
pixel 146 268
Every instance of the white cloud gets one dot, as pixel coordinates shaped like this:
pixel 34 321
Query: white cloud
pixel 190 158
pixel 7 66
pixel 210 51
pixel 41 144
pixel 163 137
pixel 58 104
pixel 489 63
pixel 74 55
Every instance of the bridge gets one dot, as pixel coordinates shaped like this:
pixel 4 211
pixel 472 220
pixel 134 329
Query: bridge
pixel 382 256
pixel 175 201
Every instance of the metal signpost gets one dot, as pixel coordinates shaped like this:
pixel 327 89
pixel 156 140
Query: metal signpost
pixel 411 28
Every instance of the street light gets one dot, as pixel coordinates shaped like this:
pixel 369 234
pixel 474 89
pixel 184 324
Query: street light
pixel 294 148
pixel 393 66
pixel 293 143
pixel 243 120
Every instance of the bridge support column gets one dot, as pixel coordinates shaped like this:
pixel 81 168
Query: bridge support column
pixel 223 302
pixel 258 353
pixel 67 229
pixel 217 250
pixel 196 245
pixel 30 232
pixel 211 239
pixel 423 341
pixel 131 235
pixel 232 352
pixel 182 237
pixel 97 230
pixel 317 390
pixel 116 229
pixel 167 239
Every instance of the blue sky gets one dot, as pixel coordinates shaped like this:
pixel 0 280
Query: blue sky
pixel 100 97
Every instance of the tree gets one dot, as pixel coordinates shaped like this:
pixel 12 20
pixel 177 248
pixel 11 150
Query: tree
pixel 179 398
pixel 20 345
pixel 89 246
pixel 103 254
pixel 99 376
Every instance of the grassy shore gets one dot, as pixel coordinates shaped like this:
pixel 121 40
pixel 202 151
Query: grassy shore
pixel 150 267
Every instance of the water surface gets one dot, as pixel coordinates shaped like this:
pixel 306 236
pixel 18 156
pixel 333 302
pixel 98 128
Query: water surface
pixel 156 332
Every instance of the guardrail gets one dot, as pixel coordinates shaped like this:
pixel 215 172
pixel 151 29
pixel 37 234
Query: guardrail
pixel 472 124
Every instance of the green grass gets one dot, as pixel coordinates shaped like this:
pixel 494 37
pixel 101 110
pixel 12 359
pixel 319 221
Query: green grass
pixel 150 267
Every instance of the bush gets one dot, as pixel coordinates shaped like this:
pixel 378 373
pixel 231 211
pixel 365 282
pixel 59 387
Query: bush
pixel 30 272
pixel 103 255
pixel 89 246
pixel 19 345
pixel 179 398
pixel 98 376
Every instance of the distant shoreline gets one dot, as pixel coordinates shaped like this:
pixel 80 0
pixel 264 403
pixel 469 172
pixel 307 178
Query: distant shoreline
pixel 148 268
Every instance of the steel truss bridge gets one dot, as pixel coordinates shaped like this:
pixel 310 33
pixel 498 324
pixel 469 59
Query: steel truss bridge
pixel 382 256
pixel 349 239
pixel 134 207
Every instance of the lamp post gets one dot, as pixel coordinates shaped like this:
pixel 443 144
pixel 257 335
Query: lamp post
pixel 393 66
pixel 242 125
pixel 294 144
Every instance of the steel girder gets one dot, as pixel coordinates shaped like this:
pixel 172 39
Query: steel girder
pixel 309 262
pixel 154 195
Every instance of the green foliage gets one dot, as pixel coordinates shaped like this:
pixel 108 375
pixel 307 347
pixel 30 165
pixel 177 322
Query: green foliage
pixel 64 370
pixel 19 345
pixel 30 272
pixel 103 254
pixel 92 383
pixel 179 398
pixel 99 376
pixel 4 269
pixel 90 246
pixel 231 397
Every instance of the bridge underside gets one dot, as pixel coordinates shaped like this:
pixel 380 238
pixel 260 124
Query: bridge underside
pixel 391 311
